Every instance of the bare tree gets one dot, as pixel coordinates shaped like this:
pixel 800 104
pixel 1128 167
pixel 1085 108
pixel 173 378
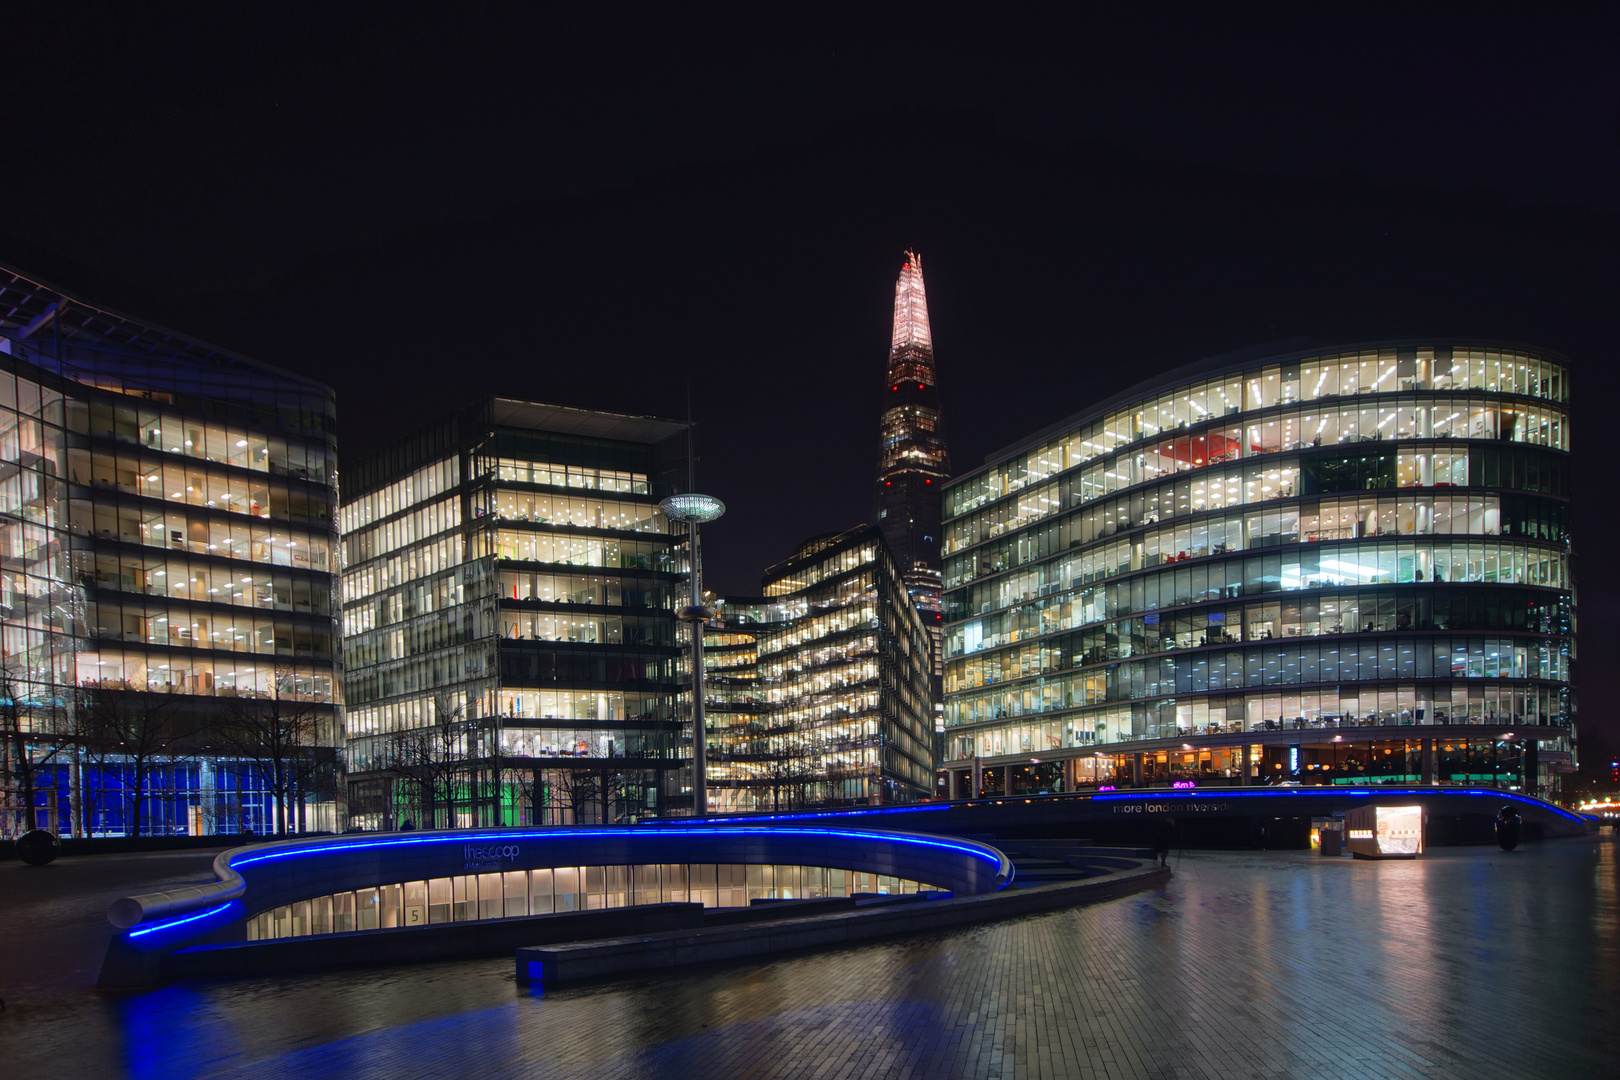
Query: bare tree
pixel 531 792
pixel 778 771
pixel 92 755
pixel 788 760
pixel 17 761
pixel 610 781
pixel 279 734
pixel 599 781
pixel 430 762
pixel 140 730
pixel 574 790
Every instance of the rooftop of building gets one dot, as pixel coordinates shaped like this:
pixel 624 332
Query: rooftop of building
pixel 475 420
pixel 590 423
pixel 817 546
pixel 38 314
pixel 1269 352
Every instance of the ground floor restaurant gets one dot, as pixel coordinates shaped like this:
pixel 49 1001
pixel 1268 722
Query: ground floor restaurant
pixel 1317 759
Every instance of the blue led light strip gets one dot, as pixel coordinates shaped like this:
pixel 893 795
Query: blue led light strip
pixel 512 834
pixel 179 920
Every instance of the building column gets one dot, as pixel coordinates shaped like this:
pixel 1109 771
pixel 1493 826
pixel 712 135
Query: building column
pixel 1006 780
pixel 1136 769
pixel 1428 761
pixel 1531 758
pixel 1243 774
pixel 978 777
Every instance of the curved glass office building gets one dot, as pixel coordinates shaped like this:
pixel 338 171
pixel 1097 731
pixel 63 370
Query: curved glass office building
pixel 1324 566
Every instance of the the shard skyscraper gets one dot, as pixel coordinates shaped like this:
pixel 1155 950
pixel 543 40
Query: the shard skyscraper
pixel 913 462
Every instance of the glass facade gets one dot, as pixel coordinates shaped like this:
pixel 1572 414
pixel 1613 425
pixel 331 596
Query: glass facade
pixel 515 894
pixel 168 536
pixel 913 461
pixel 509 590
pixel 1364 536
pixel 818 691
pixel 753 759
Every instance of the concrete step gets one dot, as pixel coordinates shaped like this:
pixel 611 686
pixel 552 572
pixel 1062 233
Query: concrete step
pixel 562 963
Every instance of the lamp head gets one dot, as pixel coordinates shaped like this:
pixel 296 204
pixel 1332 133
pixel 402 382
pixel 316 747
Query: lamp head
pixel 692 508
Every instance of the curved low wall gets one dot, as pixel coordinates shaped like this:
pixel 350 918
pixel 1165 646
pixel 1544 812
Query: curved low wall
pixel 265 876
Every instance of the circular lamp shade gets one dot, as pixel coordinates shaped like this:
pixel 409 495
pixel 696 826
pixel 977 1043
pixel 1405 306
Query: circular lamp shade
pixel 692 508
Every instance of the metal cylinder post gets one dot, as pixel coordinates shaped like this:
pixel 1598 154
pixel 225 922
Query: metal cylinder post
pixel 694 509
pixel 700 733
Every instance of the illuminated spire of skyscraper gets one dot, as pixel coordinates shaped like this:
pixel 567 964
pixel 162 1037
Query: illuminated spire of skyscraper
pixel 911 312
pixel 913 462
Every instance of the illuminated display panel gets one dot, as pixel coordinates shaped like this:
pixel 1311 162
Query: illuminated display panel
pixel 1384 832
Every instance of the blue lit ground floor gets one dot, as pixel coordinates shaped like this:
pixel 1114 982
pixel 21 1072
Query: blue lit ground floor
pixel 194 796
pixel 1529 759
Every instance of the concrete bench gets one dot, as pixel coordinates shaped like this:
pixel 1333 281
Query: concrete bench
pixel 437 941
pixel 582 960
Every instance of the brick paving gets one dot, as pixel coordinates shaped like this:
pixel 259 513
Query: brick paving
pixel 1469 963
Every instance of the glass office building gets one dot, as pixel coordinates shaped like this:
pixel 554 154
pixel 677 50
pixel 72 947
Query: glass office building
pixel 168 537
pixel 509 597
pixel 1326 565
pixel 753 759
pixel 843 663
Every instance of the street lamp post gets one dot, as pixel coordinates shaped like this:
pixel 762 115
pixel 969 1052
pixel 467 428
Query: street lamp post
pixel 694 510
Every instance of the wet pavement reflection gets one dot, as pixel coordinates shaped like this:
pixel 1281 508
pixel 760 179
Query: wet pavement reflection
pixel 1468 963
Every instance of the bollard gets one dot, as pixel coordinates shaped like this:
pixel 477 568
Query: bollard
pixel 1508 827
pixel 38 848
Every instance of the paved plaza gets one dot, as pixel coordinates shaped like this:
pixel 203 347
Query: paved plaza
pixel 1469 963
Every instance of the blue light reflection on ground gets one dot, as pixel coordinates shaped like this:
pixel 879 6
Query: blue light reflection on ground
pixel 171 1033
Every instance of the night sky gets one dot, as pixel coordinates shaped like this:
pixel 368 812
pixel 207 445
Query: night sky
pixel 420 210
